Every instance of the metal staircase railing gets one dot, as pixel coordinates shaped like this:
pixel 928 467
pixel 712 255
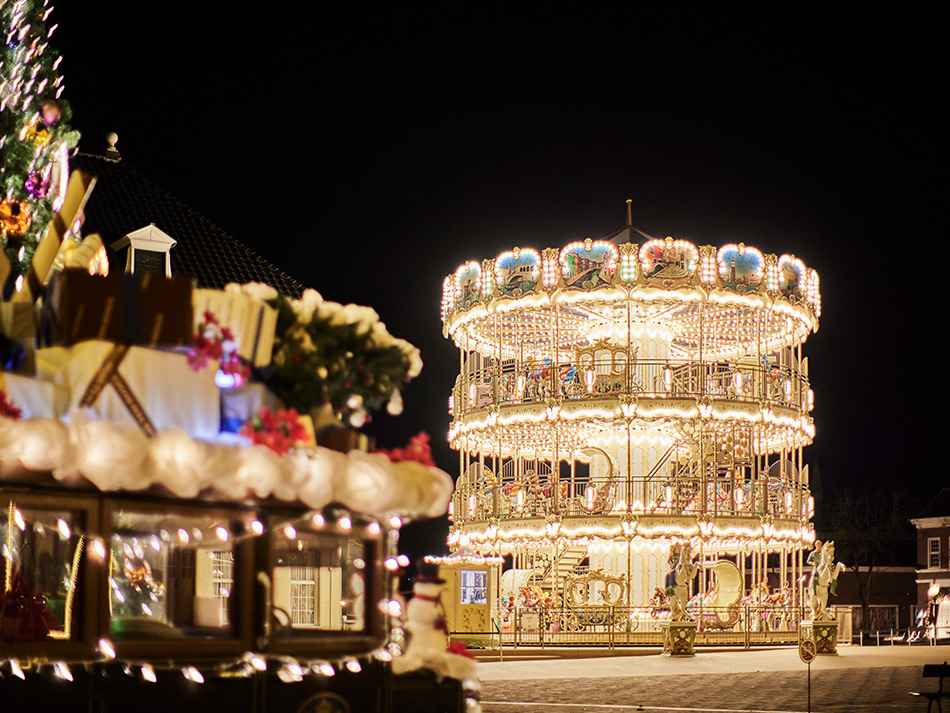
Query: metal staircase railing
pixel 660 463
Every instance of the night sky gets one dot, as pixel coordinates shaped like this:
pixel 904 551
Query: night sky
pixel 370 152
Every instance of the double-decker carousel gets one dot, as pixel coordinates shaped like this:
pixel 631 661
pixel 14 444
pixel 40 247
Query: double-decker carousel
pixel 619 399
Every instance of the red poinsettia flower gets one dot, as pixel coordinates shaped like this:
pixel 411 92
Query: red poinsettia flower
pixel 212 342
pixel 7 408
pixel 279 430
pixel 460 649
pixel 417 450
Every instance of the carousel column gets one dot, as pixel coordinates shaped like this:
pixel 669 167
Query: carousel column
pixel 798 591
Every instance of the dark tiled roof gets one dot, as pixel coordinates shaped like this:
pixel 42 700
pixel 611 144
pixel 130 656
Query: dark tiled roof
pixel 939 506
pixel 124 200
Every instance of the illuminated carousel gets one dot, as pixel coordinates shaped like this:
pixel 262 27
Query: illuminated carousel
pixel 620 398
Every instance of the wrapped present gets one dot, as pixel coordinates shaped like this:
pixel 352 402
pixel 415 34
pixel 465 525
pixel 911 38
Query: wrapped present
pixel 240 404
pixel 252 322
pixel 36 398
pixel 150 388
pixel 344 440
pixel 125 309
pixel 90 255
pixel 14 356
pixel 17 321
pixel 56 238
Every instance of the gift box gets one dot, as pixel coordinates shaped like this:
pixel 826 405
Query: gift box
pixel 242 403
pixel 17 321
pixel 54 241
pixel 90 255
pixel 126 309
pixel 36 398
pixel 252 322
pixel 149 388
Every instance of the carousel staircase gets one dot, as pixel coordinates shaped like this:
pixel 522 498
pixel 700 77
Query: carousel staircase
pixel 565 563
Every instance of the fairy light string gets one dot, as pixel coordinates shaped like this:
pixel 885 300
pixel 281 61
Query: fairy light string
pixel 35 134
pixel 289 669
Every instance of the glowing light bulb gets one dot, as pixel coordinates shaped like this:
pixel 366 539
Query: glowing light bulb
pixel 192 674
pixel 62 670
pixel 257 663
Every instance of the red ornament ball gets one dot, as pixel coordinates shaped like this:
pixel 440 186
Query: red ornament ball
pixel 50 111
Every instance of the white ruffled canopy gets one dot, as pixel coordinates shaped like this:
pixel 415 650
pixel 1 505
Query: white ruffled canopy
pixel 116 456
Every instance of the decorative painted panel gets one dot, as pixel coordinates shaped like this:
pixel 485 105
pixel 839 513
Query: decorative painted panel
pixel 517 272
pixel 673 261
pixel 588 264
pixel 791 275
pixel 468 278
pixel 741 268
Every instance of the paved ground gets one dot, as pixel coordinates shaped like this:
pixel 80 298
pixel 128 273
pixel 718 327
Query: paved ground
pixel 770 680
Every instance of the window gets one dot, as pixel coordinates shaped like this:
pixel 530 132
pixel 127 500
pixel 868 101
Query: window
pixel 222 579
pixel 933 553
pixel 170 574
pixel 325 583
pixel 474 587
pixel 319 582
pixel 40 573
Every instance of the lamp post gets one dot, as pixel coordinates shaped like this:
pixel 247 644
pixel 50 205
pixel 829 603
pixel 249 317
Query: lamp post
pixel 932 605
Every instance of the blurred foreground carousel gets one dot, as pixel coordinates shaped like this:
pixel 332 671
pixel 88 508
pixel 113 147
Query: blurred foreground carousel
pixel 623 403
pixel 166 513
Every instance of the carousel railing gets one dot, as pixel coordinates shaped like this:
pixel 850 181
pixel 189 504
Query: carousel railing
pixel 744 624
pixel 537 381
pixel 528 495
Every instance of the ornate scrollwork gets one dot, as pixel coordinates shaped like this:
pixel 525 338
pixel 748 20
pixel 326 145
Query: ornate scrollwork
pixel 606 610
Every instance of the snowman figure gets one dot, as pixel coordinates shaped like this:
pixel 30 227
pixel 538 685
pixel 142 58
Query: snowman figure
pixel 428 633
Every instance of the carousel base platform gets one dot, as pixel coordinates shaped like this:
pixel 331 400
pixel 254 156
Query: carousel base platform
pixel 679 638
pixel 824 633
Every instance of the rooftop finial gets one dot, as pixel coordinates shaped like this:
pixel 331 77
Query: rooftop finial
pixel 112 152
pixel 629 213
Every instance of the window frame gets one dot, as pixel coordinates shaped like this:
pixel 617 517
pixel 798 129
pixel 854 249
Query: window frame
pixel 330 642
pixel 932 552
pixel 85 639
pixel 240 601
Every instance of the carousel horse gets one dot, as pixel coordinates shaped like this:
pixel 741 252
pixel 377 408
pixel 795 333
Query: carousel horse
pixel 683 573
pixel 825 578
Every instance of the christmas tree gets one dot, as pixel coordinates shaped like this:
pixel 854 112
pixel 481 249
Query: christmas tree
pixel 35 136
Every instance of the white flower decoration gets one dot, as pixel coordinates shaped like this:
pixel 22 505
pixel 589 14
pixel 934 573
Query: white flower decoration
pixel 255 290
pixel 305 307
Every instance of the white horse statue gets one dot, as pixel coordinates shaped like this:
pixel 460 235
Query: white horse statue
pixel 823 578
pixel 683 573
